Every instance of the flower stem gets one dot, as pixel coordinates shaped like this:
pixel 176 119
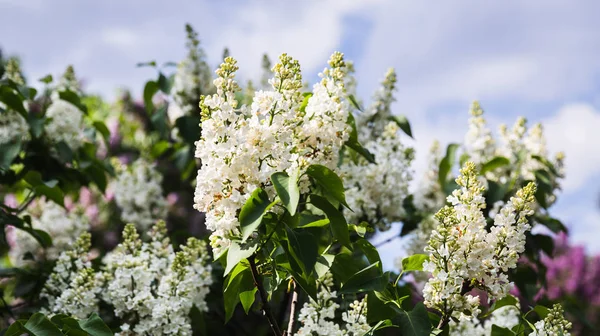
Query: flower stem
pixel 263 297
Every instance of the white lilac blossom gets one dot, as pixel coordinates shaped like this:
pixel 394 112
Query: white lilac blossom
pixel 479 143
pixel 62 226
pixel 139 195
pixel 375 191
pixel 241 147
pixel 13 127
pixel 505 317
pixel 73 288
pixel 192 78
pixel 428 198
pixel 317 318
pixel 65 124
pixel 553 324
pixel 152 288
pixel 464 255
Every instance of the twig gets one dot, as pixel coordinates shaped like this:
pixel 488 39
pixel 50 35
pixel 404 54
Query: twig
pixel 263 297
pixel 381 243
pixel 290 329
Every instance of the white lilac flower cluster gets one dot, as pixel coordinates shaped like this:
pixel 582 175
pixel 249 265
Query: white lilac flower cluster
pixel 73 288
pixel 428 198
pixel 192 78
pixel 152 288
pixel 65 120
pixel 13 127
pixel 375 191
pixel 241 147
pixel 524 148
pixel 464 255
pixel 317 318
pixel 139 195
pixel 553 324
pixel 62 226
pixel 505 317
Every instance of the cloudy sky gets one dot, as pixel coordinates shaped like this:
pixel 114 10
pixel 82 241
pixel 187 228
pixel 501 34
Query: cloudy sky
pixel 539 59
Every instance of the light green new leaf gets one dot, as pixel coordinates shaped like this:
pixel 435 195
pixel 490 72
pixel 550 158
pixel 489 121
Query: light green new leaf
pixel 414 262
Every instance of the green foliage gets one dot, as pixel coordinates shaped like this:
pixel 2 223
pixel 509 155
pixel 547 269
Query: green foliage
pixel 39 325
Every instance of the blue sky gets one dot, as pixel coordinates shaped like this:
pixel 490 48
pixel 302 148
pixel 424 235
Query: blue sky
pixel 538 59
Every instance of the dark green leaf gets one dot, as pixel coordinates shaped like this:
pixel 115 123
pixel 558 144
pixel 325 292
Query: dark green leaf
pixel 150 90
pixel 101 127
pixel 324 263
pixel 39 325
pixel 329 181
pixel 403 123
pixel 304 248
pixel 65 153
pixel 253 211
pixel 189 128
pixel 146 64
pixel 368 279
pixel 46 79
pixel 415 322
pixel 501 331
pixel 239 282
pixel 287 190
pixel 355 102
pixel 163 83
pixel 541 311
pixel 353 142
pixel 13 101
pixel 369 250
pixel 446 164
pixel 16 329
pixel 95 326
pixel 493 164
pixel 8 152
pixel 247 298
pixel 339 226
pixel 73 98
pixel 36 125
pixel 414 262
pixel 553 224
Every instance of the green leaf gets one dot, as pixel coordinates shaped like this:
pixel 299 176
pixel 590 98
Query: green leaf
pixel 95 326
pixel 253 211
pixel 73 98
pixel 307 96
pixel 329 181
pixel 101 127
pixel 236 253
pixel 493 164
pixel 304 248
pixel 189 128
pixel 8 152
pixel 368 279
pixel 150 89
pixel 541 311
pixel 369 250
pixel 414 262
pixel 39 325
pixel 553 224
pixel 151 64
pixel 501 331
pixel 508 300
pixel 287 190
pixel 41 236
pixel 16 329
pixel 46 79
pixel 49 189
pixel 355 102
pixel 36 125
pixel 163 83
pixel 353 142
pixel 159 148
pixel 403 123
pixel 65 154
pixel 324 263
pixel 247 298
pixel 13 101
pixel 339 226
pixel 415 322
pixel 446 164
pixel 240 282
pixel 317 223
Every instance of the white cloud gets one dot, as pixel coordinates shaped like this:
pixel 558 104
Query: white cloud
pixel 574 130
